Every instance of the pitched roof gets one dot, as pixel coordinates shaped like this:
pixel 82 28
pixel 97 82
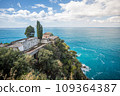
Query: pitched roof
pixel 47 33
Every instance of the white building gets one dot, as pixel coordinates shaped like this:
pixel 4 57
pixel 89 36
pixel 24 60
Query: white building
pixel 25 44
pixel 48 37
pixel 28 43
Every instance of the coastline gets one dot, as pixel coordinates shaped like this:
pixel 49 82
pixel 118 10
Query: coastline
pixel 73 69
pixel 86 40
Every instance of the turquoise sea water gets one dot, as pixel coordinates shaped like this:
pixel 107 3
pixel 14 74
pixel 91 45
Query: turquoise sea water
pixel 97 48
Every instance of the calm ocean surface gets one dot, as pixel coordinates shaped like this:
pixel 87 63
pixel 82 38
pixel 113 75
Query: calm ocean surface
pixel 97 48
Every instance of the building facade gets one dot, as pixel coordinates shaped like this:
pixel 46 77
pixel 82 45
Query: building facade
pixel 25 44
pixel 28 44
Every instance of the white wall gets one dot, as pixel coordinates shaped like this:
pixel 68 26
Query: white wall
pixel 21 48
pixel 29 43
pixel 44 41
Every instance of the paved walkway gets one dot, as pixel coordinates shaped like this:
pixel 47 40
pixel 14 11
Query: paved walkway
pixel 34 51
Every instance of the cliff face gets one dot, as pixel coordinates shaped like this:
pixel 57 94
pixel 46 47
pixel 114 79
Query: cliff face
pixel 54 62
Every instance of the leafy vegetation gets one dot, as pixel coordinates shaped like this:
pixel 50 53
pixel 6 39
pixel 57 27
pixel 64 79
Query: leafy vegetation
pixel 29 32
pixel 71 67
pixel 13 63
pixel 54 62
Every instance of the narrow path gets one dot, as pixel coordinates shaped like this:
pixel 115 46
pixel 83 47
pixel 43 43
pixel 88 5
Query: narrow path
pixel 34 51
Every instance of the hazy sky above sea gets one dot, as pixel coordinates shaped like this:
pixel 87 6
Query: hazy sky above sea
pixel 60 13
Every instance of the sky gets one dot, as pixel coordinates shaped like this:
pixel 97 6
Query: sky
pixel 59 13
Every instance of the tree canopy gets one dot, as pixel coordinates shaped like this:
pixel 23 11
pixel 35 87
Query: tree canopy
pixel 70 66
pixel 29 32
pixel 13 63
pixel 48 65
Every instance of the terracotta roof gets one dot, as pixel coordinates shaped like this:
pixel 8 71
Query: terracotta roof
pixel 47 33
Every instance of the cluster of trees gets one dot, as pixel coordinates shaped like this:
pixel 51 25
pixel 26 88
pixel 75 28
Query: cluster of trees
pixel 70 67
pixel 15 65
pixel 54 62
pixel 30 32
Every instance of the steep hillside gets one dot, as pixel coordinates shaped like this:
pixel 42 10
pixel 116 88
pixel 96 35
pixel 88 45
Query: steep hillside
pixel 54 62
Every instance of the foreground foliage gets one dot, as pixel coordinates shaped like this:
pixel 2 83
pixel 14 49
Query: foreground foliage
pixel 13 63
pixel 55 62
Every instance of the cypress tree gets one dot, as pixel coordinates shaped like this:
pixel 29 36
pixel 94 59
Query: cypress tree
pixel 39 30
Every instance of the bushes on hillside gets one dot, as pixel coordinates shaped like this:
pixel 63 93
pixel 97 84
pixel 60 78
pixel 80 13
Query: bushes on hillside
pixel 71 67
pixel 49 65
pixel 13 63
pixel 54 62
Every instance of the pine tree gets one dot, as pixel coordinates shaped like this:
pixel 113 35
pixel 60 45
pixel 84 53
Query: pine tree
pixel 29 32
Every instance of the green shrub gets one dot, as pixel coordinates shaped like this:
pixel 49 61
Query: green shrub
pixel 14 62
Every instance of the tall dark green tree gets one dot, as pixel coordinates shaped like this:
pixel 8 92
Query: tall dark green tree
pixel 39 30
pixel 29 32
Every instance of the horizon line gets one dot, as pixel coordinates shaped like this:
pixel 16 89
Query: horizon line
pixel 63 27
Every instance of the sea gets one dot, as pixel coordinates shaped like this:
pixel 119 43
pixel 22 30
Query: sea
pixel 98 48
